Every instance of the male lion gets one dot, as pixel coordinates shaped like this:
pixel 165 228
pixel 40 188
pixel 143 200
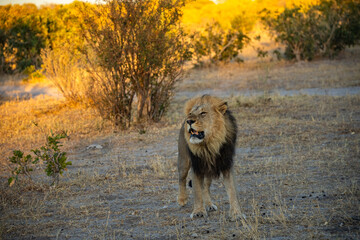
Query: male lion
pixel 207 146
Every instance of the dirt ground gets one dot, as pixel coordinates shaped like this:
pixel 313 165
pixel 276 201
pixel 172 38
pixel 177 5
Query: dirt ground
pixel 297 165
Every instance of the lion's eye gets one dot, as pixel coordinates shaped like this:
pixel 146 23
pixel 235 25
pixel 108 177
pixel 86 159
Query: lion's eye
pixel 203 113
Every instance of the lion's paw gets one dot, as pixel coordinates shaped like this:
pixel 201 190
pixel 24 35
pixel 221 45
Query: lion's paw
pixel 182 200
pixel 198 214
pixel 211 207
pixel 236 216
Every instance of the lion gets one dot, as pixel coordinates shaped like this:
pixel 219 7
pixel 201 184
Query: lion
pixel 206 146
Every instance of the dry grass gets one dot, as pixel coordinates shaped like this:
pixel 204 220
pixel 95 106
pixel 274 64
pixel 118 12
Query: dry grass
pixel 304 154
pixel 297 174
pixel 18 119
pixel 344 71
pixel 297 166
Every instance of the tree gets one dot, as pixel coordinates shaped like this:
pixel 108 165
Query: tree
pixel 217 44
pixel 338 25
pixel 135 50
pixel 322 29
pixel 21 37
pixel 25 30
pixel 25 43
pixel 293 28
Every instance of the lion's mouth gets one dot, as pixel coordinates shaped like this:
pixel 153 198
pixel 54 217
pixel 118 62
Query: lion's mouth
pixel 196 134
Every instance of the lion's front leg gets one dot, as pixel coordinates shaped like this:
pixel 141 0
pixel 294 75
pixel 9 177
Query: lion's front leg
pixel 206 195
pixel 182 197
pixel 183 168
pixel 198 184
pixel 234 212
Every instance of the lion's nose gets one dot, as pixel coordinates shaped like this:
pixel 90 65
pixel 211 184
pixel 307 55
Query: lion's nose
pixel 190 121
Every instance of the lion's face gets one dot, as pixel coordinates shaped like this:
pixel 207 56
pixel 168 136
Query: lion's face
pixel 205 120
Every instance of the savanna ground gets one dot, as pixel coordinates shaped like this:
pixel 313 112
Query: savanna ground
pixel 297 162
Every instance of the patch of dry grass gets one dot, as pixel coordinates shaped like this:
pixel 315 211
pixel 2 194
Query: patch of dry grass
pixel 18 119
pixel 297 164
pixel 297 177
pixel 343 71
pixel 313 147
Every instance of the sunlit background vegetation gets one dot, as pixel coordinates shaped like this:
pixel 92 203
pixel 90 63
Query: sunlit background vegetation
pixel 26 29
pixel 78 45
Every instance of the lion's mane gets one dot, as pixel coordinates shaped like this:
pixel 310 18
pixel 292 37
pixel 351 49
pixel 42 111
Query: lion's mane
pixel 215 154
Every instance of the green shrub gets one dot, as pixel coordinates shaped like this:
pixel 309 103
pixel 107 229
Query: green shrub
pixel 55 160
pixel 294 29
pixel 323 29
pixel 23 166
pixel 338 25
pixel 217 44
pixel 32 74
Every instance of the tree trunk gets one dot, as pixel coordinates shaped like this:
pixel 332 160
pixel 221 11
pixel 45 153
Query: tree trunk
pixel 142 105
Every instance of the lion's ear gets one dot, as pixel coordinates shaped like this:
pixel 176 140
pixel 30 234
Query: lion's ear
pixel 223 107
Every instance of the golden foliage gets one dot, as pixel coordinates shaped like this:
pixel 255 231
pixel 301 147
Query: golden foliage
pixel 198 14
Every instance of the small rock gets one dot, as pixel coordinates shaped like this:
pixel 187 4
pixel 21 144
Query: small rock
pixel 94 146
pixel 194 235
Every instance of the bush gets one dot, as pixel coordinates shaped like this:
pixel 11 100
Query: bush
pixel 339 25
pixel 317 30
pixel 217 44
pixel 25 43
pixel 294 29
pixel 55 160
pixel 136 51
pixel 64 67
pixel 33 74
pixel 23 166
